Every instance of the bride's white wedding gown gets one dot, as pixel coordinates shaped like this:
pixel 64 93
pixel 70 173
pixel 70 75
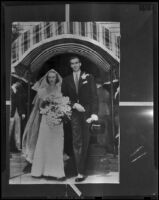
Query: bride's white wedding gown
pixel 48 156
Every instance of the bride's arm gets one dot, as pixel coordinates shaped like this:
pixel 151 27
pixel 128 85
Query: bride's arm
pixel 40 103
pixel 38 100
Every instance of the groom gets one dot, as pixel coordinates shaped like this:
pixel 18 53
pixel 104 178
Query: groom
pixel 81 89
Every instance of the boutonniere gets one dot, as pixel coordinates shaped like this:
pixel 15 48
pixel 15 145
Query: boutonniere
pixel 84 76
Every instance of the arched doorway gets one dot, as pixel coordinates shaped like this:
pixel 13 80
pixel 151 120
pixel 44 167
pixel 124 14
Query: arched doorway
pixel 40 59
pixel 61 64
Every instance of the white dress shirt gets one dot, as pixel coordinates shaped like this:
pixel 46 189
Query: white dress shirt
pixel 76 73
pixel 14 88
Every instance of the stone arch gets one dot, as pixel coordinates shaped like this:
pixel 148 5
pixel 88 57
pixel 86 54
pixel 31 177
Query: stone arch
pixel 41 54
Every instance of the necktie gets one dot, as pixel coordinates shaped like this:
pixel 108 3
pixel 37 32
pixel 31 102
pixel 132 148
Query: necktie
pixel 76 82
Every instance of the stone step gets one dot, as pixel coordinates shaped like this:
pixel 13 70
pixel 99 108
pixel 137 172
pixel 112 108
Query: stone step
pixel 102 164
pixel 17 163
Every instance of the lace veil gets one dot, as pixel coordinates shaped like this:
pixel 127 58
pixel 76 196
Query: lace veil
pixel 42 83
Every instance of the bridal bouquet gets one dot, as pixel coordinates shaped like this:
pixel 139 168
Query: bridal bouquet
pixel 56 109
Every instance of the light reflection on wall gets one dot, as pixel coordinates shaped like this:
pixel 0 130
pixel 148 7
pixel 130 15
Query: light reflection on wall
pixel 148 112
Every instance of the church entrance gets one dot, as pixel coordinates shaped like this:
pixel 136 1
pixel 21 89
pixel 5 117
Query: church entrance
pixel 98 145
pixel 61 64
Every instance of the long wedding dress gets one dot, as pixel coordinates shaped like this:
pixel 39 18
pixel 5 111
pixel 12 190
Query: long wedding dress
pixel 48 155
pixel 43 146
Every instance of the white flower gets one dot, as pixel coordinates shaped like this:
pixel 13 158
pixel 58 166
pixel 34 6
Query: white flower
pixel 84 75
pixel 45 110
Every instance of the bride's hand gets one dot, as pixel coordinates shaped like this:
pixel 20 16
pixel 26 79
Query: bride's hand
pixel 79 107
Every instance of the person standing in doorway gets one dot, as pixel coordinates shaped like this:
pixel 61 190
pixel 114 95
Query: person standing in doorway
pixel 16 117
pixel 105 139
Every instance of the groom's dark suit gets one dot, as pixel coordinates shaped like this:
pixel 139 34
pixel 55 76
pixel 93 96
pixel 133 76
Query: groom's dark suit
pixel 87 97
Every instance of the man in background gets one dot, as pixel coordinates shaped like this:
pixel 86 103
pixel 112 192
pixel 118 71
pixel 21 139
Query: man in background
pixel 105 139
pixel 18 111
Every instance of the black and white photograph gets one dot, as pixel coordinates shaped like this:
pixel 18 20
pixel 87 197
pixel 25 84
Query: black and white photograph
pixel 79 107
pixel 64 122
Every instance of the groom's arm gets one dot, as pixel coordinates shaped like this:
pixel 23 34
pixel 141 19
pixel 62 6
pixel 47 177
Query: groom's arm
pixel 64 88
pixel 94 96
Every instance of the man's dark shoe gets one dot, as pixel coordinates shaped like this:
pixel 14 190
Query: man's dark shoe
pixel 50 178
pixel 61 179
pixel 80 179
pixel 37 177
pixel 27 168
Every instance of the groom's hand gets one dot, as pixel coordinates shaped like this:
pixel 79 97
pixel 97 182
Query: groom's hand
pixel 79 107
pixel 92 118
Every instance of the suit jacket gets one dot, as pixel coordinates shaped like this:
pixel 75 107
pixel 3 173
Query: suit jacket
pixel 87 92
pixel 17 102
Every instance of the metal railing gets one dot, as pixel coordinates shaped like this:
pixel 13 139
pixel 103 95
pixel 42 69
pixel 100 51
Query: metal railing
pixel 48 31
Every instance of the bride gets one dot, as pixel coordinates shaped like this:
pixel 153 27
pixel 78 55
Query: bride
pixel 42 145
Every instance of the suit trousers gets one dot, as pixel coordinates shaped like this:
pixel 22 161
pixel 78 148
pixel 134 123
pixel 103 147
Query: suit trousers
pixel 81 138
